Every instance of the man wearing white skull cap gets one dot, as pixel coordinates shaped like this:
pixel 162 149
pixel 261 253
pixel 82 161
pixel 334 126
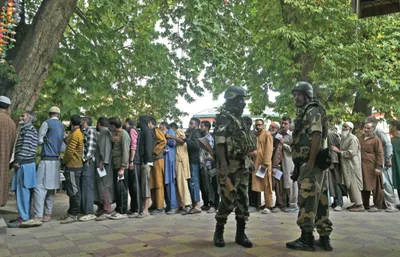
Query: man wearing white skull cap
pixel 350 157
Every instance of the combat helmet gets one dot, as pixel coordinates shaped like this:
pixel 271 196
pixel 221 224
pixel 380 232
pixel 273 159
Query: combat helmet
pixel 305 87
pixel 234 91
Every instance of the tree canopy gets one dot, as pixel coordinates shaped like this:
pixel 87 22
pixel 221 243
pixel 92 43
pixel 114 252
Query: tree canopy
pixel 353 64
pixel 130 57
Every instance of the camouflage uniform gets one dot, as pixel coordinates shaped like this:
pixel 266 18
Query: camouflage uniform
pixel 313 186
pixel 234 134
pixel 233 143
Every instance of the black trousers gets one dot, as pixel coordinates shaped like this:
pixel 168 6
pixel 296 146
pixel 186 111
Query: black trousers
pixel 253 196
pixel 121 192
pixel 214 184
pixel 209 188
pixel 135 189
pixel 338 199
pixel 73 184
pixel 205 186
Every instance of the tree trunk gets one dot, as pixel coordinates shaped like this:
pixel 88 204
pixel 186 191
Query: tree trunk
pixel 302 58
pixel 37 51
pixel 306 62
pixel 361 105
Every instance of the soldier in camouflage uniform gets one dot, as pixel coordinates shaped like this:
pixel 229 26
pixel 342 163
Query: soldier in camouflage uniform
pixel 311 163
pixel 234 146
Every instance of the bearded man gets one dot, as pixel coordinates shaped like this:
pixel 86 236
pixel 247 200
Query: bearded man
pixel 350 160
pixel 263 163
pixel 372 165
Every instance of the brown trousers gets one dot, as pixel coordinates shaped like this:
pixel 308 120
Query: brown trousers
pixel 157 183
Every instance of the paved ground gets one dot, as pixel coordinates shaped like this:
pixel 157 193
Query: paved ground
pixel 355 234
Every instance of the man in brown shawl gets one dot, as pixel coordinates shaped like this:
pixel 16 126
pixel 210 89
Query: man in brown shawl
pixel 157 170
pixel 263 163
pixel 8 133
pixel 372 165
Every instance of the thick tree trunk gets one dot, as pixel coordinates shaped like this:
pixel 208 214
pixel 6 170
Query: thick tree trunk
pixel 38 49
pixel 306 62
pixel 302 58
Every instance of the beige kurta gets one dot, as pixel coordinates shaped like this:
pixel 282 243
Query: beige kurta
pixel 287 161
pixel 350 159
pixel 372 158
pixel 182 172
pixel 264 157
pixel 8 133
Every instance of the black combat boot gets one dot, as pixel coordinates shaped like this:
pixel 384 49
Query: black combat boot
pixel 241 237
pixel 219 235
pixel 324 242
pixel 305 242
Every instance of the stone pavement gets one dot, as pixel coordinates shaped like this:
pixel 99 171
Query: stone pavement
pixel 355 234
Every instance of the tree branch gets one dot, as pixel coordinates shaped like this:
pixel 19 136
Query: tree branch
pixel 120 28
pixel 81 15
pixel 22 14
pixel 73 31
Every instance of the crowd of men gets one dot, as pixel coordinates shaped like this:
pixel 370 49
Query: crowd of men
pixel 104 163
pixel 173 169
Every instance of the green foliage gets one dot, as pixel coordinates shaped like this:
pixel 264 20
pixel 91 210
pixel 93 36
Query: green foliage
pixel 112 62
pixel 16 113
pixel 8 75
pixel 269 45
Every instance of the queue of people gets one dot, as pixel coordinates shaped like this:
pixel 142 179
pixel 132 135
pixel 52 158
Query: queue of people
pixel 163 165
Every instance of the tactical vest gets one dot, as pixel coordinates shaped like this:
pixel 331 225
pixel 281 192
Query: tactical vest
pixel 238 141
pixel 301 145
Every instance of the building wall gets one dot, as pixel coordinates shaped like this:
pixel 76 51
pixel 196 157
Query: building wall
pixel 210 119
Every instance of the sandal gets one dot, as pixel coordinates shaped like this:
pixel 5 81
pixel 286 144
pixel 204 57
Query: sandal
pixel 186 210
pixel 87 217
pixel 133 215
pixel 143 215
pixel 70 219
pixel 30 223
pixel 46 218
pixel 119 216
pixel 109 215
pixel 194 211
pixel 102 217
pixel 64 217
pixel 266 211
pixel 38 219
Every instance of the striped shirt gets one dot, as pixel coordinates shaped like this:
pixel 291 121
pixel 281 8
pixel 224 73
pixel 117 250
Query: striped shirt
pixel 27 142
pixel 89 144
pixel 134 136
